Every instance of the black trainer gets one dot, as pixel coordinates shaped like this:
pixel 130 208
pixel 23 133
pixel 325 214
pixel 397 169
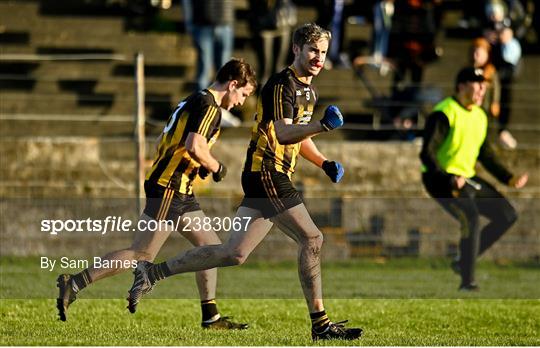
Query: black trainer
pixel 141 285
pixel 456 266
pixel 66 295
pixel 337 331
pixel 471 287
pixel 224 323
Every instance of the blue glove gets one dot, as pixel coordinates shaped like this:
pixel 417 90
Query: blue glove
pixel 334 170
pixel 332 118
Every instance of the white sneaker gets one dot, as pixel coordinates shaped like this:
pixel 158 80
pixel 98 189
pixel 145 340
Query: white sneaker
pixel 507 140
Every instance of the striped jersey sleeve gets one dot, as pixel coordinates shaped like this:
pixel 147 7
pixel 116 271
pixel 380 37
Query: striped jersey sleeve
pixel 204 119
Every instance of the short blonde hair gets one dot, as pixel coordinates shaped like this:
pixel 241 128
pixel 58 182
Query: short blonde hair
pixel 310 33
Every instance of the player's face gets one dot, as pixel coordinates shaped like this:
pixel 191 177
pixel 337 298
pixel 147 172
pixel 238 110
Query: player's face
pixel 236 95
pixel 311 57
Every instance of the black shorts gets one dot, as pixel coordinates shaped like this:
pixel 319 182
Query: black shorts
pixel 164 203
pixel 269 192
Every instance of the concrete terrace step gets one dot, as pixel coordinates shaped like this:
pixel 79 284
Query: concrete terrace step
pixel 158 106
pixel 22 16
pixel 32 125
pixel 40 189
pixel 91 69
pixel 124 170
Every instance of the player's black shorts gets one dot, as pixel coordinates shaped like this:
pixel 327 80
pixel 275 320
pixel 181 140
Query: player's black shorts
pixel 164 203
pixel 269 192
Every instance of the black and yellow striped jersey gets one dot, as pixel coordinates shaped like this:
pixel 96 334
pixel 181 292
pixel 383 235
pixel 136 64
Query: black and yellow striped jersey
pixel 283 96
pixel 173 166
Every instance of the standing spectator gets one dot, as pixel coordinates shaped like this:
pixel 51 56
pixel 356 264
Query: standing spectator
pixel 506 57
pixel 412 39
pixel 472 14
pixel 331 16
pixel 210 23
pixel 383 11
pixel 481 59
pixel 454 140
pixel 271 22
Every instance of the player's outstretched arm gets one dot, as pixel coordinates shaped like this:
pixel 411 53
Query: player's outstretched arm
pixel 288 133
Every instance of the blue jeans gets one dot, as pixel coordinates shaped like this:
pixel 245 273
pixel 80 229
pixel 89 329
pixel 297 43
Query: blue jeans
pixel 381 31
pixel 214 48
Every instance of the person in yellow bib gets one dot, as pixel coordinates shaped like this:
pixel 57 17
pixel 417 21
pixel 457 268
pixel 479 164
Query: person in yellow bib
pixel 454 140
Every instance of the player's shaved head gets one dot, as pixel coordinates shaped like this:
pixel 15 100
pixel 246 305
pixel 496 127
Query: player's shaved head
pixel 310 33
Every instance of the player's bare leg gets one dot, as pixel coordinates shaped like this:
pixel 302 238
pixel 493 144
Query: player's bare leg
pixel 234 252
pixel 145 246
pixel 206 279
pixel 297 224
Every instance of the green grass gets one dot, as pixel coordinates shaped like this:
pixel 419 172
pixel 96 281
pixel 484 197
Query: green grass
pixel 403 302
pixel 273 322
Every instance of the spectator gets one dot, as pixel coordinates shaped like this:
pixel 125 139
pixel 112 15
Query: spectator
pixel 412 40
pixel 472 14
pixel 383 11
pixel 271 22
pixel 210 23
pixel 481 59
pixel 331 16
pixel 506 57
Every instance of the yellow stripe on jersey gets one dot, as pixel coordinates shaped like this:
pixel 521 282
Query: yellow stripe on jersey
pixel 257 155
pixel 207 121
pixel 178 132
pixel 210 121
pixel 185 180
pixel 175 160
pixel 278 102
pixel 279 150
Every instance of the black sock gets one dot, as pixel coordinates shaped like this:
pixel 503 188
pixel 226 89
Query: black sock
pixel 319 321
pixel 158 272
pixel 209 310
pixel 81 280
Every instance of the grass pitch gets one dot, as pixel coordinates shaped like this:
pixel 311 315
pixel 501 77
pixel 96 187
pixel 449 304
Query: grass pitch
pixel 403 302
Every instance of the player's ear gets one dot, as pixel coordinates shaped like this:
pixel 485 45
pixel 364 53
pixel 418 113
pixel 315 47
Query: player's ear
pixel 232 84
pixel 296 49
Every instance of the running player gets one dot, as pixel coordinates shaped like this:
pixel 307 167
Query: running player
pixel 183 153
pixel 282 131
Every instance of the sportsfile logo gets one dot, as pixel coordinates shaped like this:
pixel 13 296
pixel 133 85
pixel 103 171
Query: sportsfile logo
pixel 120 224
pixel 102 226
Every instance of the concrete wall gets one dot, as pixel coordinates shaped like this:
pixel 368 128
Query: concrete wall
pixel 380 208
